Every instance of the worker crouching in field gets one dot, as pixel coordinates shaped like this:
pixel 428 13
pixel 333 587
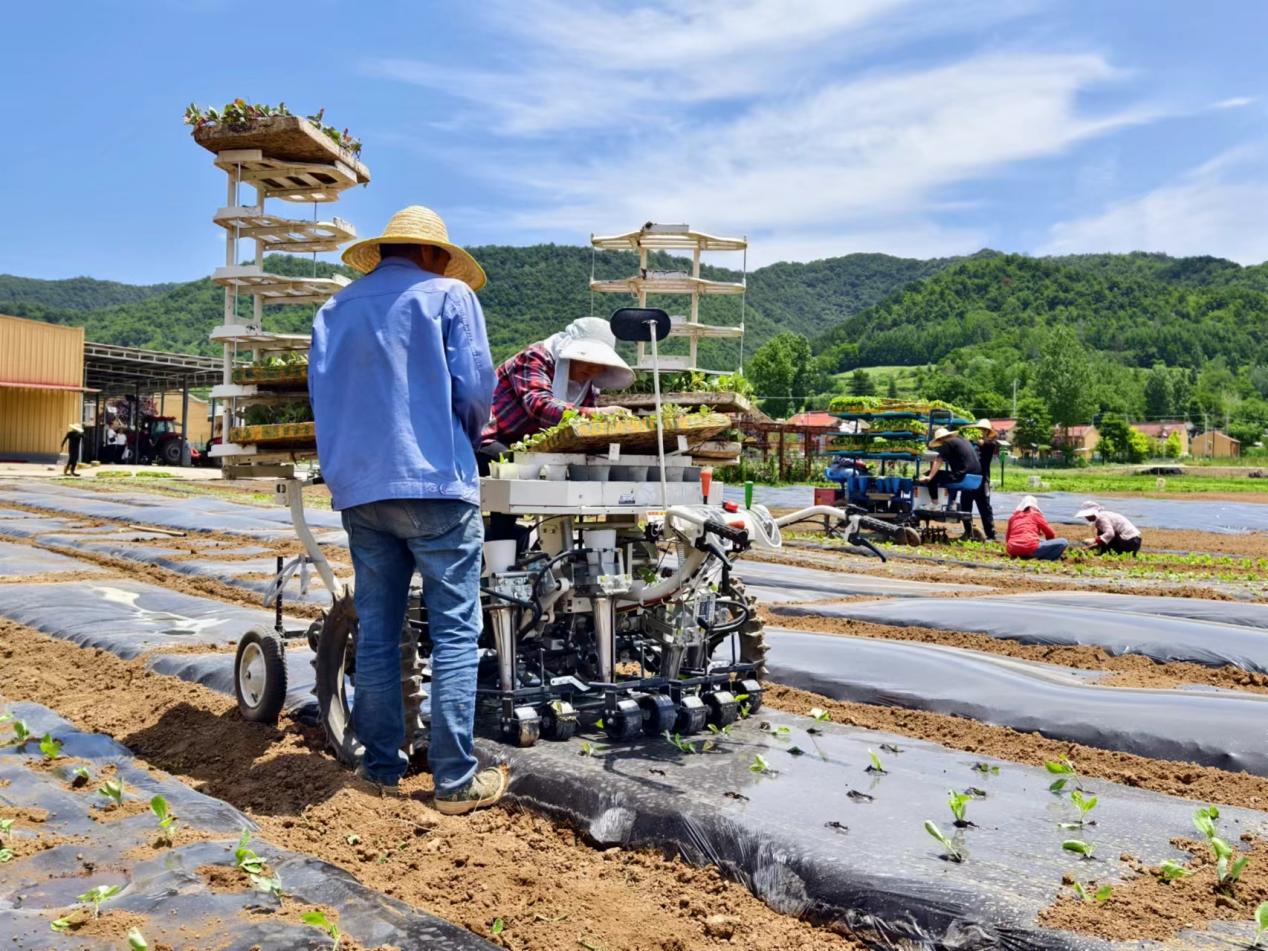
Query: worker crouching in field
pixel 400 380
pixel 1030 536
pixel 1114 533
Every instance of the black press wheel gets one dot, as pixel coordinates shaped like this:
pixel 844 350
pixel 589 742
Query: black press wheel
pixel 659 714
pixel 722 706
pixel 259 676
pixel 559 720
pixel 625 722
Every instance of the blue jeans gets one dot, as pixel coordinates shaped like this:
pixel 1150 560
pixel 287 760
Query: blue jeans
pixel 388 540
pixel 1051 549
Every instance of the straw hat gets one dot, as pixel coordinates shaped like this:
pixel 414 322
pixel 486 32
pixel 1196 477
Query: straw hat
pixel 416 225
pixel 1027 502
pixel 1088 509
pixel 76 428
pixel 590 340
pixel 940 435
pixel 984 425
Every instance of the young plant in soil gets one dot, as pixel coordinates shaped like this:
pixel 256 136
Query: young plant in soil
pixel 245 858
pixel 1085 804
pixel 112 789
pixel 1079 847
pixel 21 734
pixel 1170 870
pixel 319 920
pixel 820 714
pixel 1228 866
pixel 759 765
pixel 952 852
pixel 96 896
pixel 166 821
pixel 1088 897
pixel 1261 923
pixel 1065 772
pixel 876 766
pixel 50 748
pixel 6 853
pixel 959 803
pixel 80 777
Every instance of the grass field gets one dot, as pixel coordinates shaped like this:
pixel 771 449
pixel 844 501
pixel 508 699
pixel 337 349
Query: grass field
pixel 1091 481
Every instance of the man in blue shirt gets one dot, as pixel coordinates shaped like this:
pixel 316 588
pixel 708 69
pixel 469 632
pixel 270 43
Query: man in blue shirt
pixel 401 380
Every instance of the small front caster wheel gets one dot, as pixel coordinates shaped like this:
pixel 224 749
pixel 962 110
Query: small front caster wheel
pixel 259 676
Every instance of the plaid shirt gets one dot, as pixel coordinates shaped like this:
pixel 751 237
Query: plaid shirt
pixel 523 399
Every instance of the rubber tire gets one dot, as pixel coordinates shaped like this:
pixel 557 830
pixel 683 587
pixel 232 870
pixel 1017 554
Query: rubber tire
pixel 333 713
pixel 752 635
pixel 659 712
pixel 273 694
pixel 171 452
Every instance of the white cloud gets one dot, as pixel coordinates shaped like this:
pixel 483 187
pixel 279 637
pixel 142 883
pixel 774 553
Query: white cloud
pixel 1219 208
pixel 1235 102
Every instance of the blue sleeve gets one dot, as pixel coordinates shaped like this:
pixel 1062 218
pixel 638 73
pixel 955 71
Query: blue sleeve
pixel 470 363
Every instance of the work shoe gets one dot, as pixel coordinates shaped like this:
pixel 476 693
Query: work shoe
pixel 485 788
pixel 372 787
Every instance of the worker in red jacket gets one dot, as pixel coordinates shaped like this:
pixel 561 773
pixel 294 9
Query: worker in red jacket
pixel 1030 536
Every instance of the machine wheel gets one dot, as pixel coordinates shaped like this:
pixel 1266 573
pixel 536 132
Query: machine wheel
pixel 559 720
pixel 314 632
pixel 259 676
pixel 752 691
pixel 336 649
pixel 910 536
pixel 692 715
pixel 723 708
pixel 659 714
pixel 626 722
pixel 524 727
pixel 171 452
pixel 752 633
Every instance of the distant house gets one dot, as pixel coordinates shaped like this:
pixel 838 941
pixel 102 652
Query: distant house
pixel 1214 444
pixel 817 421
pixel 1076 440
pixel 1163 429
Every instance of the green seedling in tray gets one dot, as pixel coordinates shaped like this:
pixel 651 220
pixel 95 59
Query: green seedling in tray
pixel 952 851
pixel 319 920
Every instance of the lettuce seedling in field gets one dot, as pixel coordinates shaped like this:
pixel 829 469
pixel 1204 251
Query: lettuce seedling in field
pixel 876 766
pixel 112 789
pixel 959 803
pixel 166 821
pixel 820 714
pixel 1099 896
pixel 952 853
pixel 1079 847
pixel 21 734
pixel 1261 923
pixel 1064 770
pixel 95 897
pixel 244 856
pixel 50 748
pixel 759 765
pixel 136 941
pixel 1170 870
pixel 6 853
pixel 319 920
pixel 1228 865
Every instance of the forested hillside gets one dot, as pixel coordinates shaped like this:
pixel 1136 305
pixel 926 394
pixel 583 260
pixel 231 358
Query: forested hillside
pixel 532 292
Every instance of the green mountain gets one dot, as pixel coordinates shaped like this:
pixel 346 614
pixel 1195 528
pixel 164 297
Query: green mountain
pixel 532 292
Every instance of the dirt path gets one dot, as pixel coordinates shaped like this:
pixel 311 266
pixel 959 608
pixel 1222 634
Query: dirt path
pixel 551 889
pixel 1126 670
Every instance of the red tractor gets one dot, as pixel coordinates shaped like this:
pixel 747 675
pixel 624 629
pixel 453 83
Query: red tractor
pixel 160 442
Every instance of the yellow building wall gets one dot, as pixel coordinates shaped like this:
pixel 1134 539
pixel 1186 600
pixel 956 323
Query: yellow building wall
pixel 33 421
pixel 32 351
pixel 199 414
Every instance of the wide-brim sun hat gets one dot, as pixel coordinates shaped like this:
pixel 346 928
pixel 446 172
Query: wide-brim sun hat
pixel 76 428
pixel 1027 502
pixel 1088 509
pixel 590 340
pixel 416 225
pixel 984 425
pixel 940 435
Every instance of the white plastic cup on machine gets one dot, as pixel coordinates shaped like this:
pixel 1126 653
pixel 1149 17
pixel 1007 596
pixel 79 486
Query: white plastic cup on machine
pixel 498 556
pixel 602 544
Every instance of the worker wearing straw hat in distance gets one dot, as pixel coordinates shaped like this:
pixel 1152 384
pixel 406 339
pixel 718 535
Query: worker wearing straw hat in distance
pixel 956 459
pixel 72 440
pixel 401 379
pixel 1114 533
pixel 987 450
pixel 1029 535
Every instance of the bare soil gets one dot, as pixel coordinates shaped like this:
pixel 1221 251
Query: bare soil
pixel 1147 906
pixel 551 889
pixel 1130 670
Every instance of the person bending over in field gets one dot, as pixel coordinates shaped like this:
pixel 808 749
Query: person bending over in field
pixel 1114 533
pixel 1030 536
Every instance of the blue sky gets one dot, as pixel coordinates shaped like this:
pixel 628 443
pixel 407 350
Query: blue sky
pixel 816 127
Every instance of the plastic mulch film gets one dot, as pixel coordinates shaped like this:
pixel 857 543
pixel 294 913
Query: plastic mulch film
pixel 17 561
pixel 1018 618
pixel 791 582
pixel 818 835
pixel 1222 729
pixel 1242 614
pixel 164 887
pixel 128 617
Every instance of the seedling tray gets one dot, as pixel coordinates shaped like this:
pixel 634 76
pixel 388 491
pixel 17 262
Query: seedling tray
pixel 280 137
pixel 638 434
pixel 292 436
pixel 294 375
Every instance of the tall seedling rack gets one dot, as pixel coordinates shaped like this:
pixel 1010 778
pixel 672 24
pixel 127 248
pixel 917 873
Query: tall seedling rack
pixel 287 159
pixel 650 282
